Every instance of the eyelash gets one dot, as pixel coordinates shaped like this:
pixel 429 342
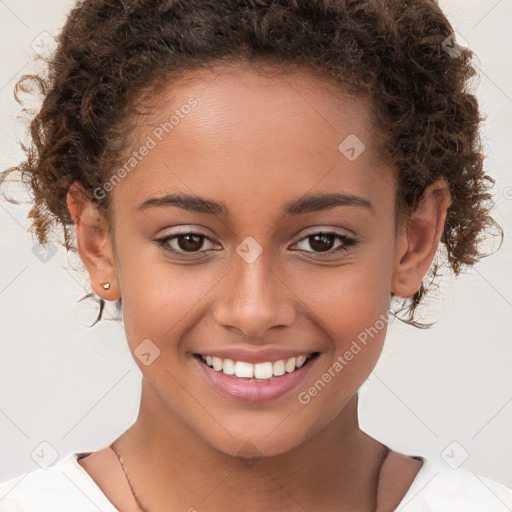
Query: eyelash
pixel 348 242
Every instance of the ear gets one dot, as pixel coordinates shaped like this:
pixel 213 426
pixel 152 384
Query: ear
pixel 418 239
pixel 93 242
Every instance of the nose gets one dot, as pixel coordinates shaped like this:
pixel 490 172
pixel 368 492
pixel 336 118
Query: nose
pixel 253 298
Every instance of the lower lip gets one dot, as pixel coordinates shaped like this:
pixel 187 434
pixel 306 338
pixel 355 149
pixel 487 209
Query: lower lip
pixel 255 391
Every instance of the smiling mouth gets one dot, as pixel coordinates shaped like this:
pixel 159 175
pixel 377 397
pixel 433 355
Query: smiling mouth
pixel 258 371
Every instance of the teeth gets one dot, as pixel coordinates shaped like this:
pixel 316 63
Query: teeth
pixel 289 366
pixel 228 367
pixel 263 371
pixel 300 361
pixel 278 368
pixel 244 369
pixel 259 371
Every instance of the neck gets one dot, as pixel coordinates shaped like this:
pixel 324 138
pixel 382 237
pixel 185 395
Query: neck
pixel 167 463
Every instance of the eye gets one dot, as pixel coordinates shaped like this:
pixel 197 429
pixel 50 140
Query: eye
pixel 182 243
pixel 323 242
pixel 190 242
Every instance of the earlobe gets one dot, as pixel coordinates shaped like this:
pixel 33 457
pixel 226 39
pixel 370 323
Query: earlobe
pixel 93 243
pixel 418 240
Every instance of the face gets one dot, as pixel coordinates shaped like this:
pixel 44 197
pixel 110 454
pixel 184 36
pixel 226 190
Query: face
pixel 255 278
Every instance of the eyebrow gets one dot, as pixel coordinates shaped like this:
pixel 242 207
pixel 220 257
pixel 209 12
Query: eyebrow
pixel 306 204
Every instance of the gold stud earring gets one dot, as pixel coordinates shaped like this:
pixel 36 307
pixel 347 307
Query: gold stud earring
pixel 106 286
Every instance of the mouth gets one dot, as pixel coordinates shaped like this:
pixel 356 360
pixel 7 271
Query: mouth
pixel 255 382
pixel 258 372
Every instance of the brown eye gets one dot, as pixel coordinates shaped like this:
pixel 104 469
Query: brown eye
pixel 183 243
pixel 323 242
pixel 190 242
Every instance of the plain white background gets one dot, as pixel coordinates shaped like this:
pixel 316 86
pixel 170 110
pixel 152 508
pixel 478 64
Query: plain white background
pixel 445 393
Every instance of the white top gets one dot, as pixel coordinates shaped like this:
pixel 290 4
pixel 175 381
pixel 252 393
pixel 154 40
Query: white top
pixel 67 487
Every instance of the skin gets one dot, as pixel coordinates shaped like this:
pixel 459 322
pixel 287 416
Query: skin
pixel 254 143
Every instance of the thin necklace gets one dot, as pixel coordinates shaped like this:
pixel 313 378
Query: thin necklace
pixel 127 478
pixel 386 452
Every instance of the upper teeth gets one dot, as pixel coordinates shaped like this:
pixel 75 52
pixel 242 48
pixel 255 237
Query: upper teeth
pixel 259 370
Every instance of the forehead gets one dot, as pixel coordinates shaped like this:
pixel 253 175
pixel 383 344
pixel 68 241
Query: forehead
pixel 242 134
pixel 260 100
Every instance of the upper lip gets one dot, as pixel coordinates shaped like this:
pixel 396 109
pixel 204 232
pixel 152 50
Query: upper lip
pixel 254 356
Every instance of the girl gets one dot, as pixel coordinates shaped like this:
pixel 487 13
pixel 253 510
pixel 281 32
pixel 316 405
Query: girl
pixel 257 184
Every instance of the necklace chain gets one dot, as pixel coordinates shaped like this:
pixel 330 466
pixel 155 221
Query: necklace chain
pixel 386 452
pixel 127 478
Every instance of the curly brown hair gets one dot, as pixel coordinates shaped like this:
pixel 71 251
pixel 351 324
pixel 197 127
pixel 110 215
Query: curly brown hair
pixel 113 54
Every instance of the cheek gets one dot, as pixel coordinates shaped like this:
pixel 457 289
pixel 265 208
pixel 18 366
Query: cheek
pixel 159 297
pixel 352 310
pixel 348 298
pixel 351 304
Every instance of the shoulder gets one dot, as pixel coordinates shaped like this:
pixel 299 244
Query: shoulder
pixel 439 488
pixel 54 489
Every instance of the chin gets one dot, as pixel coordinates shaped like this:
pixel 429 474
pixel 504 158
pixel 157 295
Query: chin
pixel 251 444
